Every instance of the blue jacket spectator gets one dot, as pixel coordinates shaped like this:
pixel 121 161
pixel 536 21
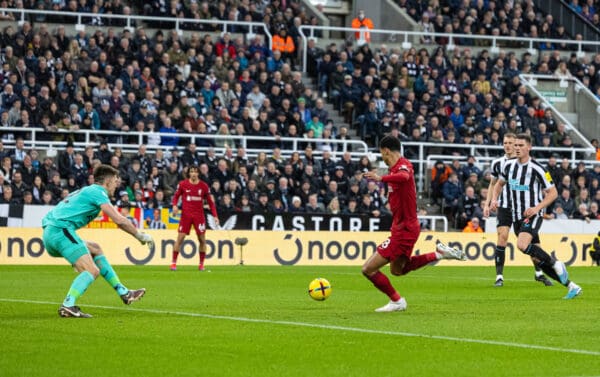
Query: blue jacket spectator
pixel 471 168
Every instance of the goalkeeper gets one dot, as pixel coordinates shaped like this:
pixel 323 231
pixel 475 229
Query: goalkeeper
pixel 595 250
pixel 60 239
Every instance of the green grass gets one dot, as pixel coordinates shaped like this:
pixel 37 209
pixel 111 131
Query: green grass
pixel 260 321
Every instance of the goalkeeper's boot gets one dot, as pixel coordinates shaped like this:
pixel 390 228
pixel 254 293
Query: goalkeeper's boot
pixel 544 280
pixel 393 306
pixel 448 252
pixel 133 295
pixel 72 311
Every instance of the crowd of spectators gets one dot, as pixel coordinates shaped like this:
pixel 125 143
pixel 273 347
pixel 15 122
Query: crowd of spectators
pixel 125 80
pixel 300 183
pixel 461 190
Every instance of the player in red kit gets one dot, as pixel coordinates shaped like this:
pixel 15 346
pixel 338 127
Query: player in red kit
pixel 397 249
pixel 193 193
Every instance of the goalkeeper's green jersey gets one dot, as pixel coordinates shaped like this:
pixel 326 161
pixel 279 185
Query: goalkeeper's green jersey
pixel 78 209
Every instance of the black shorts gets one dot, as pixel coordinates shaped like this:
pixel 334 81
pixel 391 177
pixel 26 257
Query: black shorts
pixel 504 217
pixel 531 225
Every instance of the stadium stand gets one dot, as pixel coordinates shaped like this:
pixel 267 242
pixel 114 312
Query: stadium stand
pixel 235 102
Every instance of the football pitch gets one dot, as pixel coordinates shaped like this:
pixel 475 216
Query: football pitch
pixel 260 321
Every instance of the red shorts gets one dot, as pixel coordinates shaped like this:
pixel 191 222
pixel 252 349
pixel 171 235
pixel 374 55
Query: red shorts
pixel 399 243
pixel 186 222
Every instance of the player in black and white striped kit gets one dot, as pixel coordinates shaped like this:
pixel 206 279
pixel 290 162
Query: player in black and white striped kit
pixel 531 190
pixel 504 213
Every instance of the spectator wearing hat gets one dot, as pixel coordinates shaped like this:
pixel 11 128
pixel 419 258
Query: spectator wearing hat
pixel 470 167
pixel 336 81
pixel 349 96
pixel 558 212
pixel 439 175
pixel 296 205
pixel 123 199
pixel 263 206
pixel 474 182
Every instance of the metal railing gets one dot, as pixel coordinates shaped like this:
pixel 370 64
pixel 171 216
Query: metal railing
pixel 90 137
pixel 180 23
pixel 530 82
pixel 573 22
pixel 426 160
pixel 433 221
pixel 307 32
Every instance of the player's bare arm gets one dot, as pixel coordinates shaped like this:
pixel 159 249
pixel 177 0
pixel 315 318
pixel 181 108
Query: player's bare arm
pixel 550 196
pixel 488 199
pixel 124 224
pixel 496 193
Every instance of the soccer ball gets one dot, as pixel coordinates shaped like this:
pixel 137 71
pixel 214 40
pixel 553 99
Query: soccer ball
pixel 319 289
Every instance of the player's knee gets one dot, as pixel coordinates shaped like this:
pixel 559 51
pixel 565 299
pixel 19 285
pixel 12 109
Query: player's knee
pixel 367 271
pixel 396 271
pixel 523 246
pixel 94 248
pixel 95 271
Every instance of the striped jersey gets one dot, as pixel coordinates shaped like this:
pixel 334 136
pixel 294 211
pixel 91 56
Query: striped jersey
pixel 497 169
pixel 526 184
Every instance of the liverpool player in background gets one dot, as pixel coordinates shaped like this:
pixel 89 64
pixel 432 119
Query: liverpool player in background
pixel 405 229
pixel 193 193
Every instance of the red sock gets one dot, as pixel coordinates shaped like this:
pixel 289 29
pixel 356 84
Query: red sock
pixel 383 284
pixel 418 261
pixel 202 256
pixel 175 255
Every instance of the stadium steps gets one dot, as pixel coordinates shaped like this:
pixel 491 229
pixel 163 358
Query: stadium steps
pixel 573 118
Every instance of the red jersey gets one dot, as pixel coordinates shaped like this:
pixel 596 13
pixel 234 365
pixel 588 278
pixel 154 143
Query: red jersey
pixel 193 197
pixel 402 194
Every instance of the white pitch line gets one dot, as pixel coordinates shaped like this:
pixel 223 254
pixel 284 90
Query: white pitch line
pixel 327 327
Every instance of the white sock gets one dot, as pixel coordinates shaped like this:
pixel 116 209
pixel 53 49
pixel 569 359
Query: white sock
pixel 499 277
pixel 538 273
pixel 572 285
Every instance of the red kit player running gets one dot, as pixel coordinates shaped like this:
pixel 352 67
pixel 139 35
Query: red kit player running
pixel 405 229
pixel 193 193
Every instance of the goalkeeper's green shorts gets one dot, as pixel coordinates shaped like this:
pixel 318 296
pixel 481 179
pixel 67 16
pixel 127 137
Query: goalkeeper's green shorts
pixel 63 242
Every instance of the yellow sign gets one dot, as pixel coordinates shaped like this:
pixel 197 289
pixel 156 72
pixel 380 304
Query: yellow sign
pixel 268 248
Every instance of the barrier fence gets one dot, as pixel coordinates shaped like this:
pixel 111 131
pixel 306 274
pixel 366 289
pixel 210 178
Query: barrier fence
pixel 24 247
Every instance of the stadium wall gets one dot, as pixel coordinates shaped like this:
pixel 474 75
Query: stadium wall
pixel 23 246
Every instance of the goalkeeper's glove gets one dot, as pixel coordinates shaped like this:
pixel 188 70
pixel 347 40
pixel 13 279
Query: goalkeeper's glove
pixel 145 239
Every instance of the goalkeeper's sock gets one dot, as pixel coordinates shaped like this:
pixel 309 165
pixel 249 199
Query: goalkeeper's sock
pixel 109 274
pixel 418 261
pixel 202 257
pixel 381 282
pixel 175 255
pixel 78 287
pixel 499 258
